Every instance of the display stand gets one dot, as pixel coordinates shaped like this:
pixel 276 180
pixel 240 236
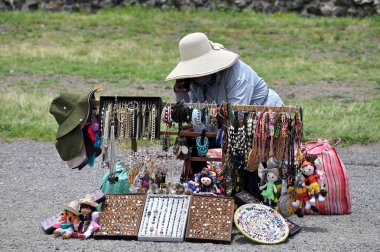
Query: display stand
pixel 120 216
pixel 210 219
pixel 164 218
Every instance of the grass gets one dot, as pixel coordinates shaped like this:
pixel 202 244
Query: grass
pixel 42 54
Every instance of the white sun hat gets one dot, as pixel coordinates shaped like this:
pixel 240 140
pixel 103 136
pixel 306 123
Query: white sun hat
pixel 200 57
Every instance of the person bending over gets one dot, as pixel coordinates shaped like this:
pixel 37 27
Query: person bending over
pixel 207 72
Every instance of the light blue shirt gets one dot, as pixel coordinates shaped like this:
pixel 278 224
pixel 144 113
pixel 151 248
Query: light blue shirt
pixel 238 84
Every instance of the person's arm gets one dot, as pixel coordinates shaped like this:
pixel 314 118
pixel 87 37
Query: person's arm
pixel 181 89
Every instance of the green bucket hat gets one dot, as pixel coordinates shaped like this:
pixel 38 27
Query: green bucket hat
pixel 71 111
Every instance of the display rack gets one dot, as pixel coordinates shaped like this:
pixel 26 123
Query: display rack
pixel 120 216
pixel 143 106
pixel 210 219
pixel 164 218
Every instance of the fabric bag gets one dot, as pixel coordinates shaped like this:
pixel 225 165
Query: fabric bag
pixel 336 182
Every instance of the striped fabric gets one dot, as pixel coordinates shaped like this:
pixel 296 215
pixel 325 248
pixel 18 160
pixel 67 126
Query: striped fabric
pixel 338 198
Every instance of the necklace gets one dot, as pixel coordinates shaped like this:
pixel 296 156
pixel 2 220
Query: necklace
pixel 202 149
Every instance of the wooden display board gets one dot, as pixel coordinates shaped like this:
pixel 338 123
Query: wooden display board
pixel 210 219
pixel 120 216
pixel 164 218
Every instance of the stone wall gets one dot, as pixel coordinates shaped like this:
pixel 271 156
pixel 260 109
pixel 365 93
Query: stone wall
pixel 331 8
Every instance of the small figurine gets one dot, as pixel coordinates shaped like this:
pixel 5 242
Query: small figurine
pixel 89 218
pixel 308 171
pixel 68 223
pixel 270 178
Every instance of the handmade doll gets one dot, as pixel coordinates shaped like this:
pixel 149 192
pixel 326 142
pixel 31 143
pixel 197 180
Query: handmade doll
pixel 68 223
pixel 271 176
pixel 88 218
pixel 311 178
pixel 301 196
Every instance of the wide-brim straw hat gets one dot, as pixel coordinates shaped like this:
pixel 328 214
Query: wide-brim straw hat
pixel 200 57
pixel 88 200
pixel 73 207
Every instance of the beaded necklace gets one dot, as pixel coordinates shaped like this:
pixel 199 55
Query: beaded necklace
pixel 196 117
pixel 202 148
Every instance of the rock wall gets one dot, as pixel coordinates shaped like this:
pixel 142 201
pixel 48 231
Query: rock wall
pixel 331 8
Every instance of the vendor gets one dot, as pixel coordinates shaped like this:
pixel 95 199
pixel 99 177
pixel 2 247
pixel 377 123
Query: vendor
pixel 207 72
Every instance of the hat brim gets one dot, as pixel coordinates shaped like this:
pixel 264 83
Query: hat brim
pixel 89 202
pixel 70 145
pixel 78 116
pixel 211 62
pixel 79 161
pixel 69 208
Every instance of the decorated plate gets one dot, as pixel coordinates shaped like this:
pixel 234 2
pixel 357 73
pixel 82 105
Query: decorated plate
pixel 261 224
pixel 285 205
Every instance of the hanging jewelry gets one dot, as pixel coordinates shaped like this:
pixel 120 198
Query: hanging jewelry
pixel 143 113
pixel 153 122
pixel 202 148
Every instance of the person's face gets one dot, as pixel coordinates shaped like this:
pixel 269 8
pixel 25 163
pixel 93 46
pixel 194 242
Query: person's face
pixel 86 210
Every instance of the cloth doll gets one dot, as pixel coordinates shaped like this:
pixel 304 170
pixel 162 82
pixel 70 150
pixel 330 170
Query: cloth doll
pixel 68 222
pixel 302 196
pixel 271 176
pixel 311 178
pixel 88 219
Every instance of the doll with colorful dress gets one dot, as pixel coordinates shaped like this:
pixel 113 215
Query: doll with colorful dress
pixel 68 223
pixel 89 218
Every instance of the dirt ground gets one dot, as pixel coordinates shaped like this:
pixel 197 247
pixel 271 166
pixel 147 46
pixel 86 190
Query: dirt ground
pixel 35 183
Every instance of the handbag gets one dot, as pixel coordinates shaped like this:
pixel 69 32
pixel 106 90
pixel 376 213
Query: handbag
pixel 336 181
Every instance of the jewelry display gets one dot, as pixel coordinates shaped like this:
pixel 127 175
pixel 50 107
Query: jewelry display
pixel 120 216
pixel 164 218
pixel 210 219
pixel 135 117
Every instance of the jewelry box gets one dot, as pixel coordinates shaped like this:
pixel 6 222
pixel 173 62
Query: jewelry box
pixel 120 216
pixel 164 218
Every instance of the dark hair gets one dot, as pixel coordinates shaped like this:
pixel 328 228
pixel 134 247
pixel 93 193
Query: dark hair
pixel 87 206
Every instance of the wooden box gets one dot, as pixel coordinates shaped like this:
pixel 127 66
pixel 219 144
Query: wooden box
pixel 120 216
pixel 210 219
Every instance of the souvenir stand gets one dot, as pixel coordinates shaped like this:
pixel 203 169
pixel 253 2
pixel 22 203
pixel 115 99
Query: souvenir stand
pixel 257 152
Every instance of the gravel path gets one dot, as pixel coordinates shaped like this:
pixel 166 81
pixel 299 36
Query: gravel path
pixel 35 183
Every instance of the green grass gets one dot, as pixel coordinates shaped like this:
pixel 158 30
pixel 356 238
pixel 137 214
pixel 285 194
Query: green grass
pixel 353 122
pixel 119 48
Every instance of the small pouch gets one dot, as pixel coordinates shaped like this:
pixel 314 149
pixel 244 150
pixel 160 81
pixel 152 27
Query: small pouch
pixel 181 149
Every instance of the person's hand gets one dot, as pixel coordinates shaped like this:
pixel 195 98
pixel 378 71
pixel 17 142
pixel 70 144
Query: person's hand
pixel 182 86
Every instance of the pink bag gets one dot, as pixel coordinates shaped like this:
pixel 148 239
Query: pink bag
pixel 338 198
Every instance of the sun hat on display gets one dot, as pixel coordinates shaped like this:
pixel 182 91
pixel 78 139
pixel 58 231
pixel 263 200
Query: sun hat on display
pixel 200 57
pixel 73 207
